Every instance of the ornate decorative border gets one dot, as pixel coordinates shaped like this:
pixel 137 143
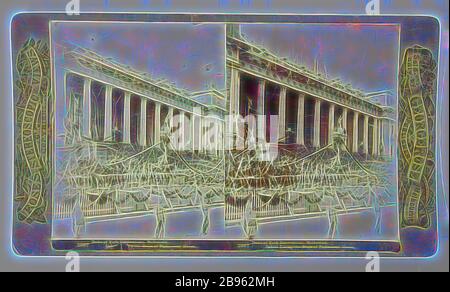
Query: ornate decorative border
pixel 32 142
pixel 416 137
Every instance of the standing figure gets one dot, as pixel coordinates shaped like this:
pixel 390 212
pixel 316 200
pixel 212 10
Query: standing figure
pixel 160 231
pixel 79 223
pixel 250 223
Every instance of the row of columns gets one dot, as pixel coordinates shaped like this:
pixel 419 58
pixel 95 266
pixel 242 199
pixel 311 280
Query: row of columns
pixel 377 136
pixel 108 117
pixel 195 127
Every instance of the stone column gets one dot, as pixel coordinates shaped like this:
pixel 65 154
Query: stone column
pixel 344 125
pixel 220 136
pixel 108 113
pixel 127 118
pixel 170 120
pixel 331 125
pixel 235 102
pixel 355 132
pixel 375 138
pixel 382 146
pixel 216 137
pixel 301 120
pixel 202 140
pixel 157 123
pixel 196 130
pixel 261 110
pixel 192 132
pixel 87 110
pixel 235 89
pixel 143 123
pixel 170 117
pixel 188 143
pixel 282 115
pixel 182 130
pixel 366 135
pixel 317 114
pixel 393 140
pixel 387 139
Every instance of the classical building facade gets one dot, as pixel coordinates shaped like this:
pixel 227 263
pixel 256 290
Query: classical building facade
pixel 110 102
pixel 309 105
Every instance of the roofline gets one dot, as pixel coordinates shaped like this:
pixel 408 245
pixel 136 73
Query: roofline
pixel 123 68
pixel 298 70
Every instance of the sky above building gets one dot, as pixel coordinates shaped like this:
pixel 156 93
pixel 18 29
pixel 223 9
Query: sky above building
pixel 363 55
pixel 191 56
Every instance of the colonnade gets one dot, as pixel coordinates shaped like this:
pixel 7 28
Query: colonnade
pixel 366 134
pixel 124 122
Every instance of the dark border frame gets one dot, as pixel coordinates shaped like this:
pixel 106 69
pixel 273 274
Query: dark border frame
pixel 416 240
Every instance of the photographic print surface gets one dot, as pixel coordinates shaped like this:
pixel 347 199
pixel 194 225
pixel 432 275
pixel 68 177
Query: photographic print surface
pixel 126 123
pixel 233 135
pixel 334 173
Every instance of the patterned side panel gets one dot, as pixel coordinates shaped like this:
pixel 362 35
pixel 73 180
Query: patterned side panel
pixel 32 143
pixel 417 138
